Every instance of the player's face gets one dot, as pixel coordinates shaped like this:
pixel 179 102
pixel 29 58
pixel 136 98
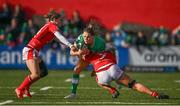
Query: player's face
pixel 88 39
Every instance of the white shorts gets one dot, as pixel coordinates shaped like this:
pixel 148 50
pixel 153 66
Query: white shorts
pixel 29 53
pixel 105 77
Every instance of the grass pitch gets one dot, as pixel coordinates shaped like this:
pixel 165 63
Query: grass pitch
pixel 52 89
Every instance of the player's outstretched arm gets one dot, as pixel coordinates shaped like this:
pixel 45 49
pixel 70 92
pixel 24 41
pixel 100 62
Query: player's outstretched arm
pixel 62 39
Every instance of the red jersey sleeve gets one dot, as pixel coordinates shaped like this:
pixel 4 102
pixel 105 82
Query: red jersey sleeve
pixel 53 28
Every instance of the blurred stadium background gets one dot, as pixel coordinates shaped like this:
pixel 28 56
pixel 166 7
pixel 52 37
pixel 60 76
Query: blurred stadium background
pixel 145 33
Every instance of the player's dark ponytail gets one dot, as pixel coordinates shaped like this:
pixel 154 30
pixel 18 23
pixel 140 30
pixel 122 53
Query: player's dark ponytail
pixel 52 14
pixel 92 28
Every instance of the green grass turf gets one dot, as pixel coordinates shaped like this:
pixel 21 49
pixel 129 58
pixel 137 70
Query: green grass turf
pixel 89 93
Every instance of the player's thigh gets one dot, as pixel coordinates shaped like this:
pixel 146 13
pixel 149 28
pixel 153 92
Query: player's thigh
pixel 80 66
pixel 39 59
pixel 33 65
pixel 103 78
pixel 125 80
pixel 29 53
pixel 115 72
pixel 31 57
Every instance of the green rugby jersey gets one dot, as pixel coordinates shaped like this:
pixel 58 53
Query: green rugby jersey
pixel 99 44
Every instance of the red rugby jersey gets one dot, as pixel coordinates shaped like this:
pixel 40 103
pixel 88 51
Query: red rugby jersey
pixel 101 61
pixel 44 36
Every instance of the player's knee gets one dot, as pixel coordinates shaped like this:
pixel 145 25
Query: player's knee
pixel 35 75
pixel 43 69
pixel 131 84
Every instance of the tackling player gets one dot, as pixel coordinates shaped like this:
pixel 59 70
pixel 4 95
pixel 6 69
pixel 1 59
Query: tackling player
pixel 31 52
pixel 87 41
pixel 107 70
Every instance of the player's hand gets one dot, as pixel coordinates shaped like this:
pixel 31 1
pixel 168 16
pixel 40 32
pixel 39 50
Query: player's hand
pixel 84 51
pixel 73 48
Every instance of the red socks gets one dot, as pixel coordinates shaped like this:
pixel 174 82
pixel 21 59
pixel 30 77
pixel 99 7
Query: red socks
pixel 26 83
pixel 154 94
pixel 112 90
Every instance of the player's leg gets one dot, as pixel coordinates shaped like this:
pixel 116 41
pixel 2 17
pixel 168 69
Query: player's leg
pixel 43 73
pixel 112 90
pixel 30 56
pixel 43 69
pixel 33 66
pixel 128 82
pixel 104 79
pixel 75 78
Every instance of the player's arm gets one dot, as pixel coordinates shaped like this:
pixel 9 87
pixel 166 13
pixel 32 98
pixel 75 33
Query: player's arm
pixel 78 52
pixel 74 52
pixel 62 39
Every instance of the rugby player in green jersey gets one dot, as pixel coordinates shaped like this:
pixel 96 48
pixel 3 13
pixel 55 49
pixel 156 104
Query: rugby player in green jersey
pixel 89 42
pixel 86 42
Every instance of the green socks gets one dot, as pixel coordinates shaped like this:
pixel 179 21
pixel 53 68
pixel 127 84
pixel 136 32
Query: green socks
pixel 75 82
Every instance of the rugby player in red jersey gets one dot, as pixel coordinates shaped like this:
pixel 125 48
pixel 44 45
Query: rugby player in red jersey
pixel 31 52
pixel 107 70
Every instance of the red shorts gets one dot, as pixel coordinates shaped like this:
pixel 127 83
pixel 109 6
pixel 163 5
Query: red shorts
pixel 30 53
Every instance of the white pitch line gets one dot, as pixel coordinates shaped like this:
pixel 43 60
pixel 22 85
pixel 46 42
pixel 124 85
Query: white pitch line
pixel 87 88
pixel 6 102
pixel 104 103
pixel 143 103
pixel 45 88
pixel 68 80
pixel 48 87
pixel 178 89
pixel 161 89
pixel 96 88
pixel 32 93
pixel 177 81
pixel 82 75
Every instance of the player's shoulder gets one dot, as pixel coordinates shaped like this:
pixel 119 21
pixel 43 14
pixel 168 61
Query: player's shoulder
pixel 99 37
pixel 48 24
pixel 52 26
